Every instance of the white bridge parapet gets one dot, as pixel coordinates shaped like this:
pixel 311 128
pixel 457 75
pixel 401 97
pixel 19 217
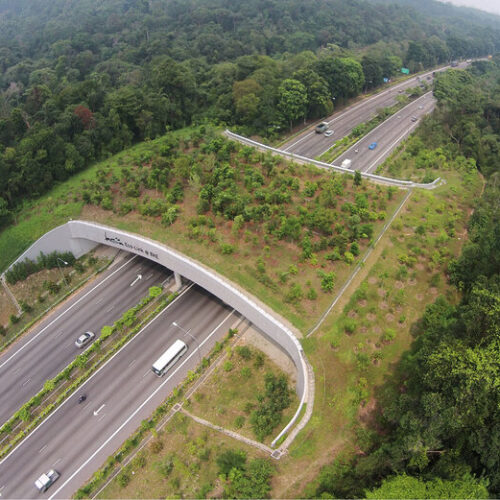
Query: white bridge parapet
pixel 81 236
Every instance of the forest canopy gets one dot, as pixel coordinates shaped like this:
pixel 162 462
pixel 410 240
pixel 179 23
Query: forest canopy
pixel 80 80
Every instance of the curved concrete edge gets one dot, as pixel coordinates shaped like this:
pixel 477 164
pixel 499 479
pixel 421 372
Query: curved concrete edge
pixel 81 236
pixel 376 178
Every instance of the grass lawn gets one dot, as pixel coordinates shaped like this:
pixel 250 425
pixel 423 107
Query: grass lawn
pixel 290 262
pixel 180 462
pixel 229 395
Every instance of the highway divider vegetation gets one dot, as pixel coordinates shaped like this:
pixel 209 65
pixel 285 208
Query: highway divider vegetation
pixel 239 477
pixel 59 388
pixel 363 129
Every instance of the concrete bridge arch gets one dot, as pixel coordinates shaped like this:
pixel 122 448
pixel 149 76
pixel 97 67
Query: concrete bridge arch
pixel 79 237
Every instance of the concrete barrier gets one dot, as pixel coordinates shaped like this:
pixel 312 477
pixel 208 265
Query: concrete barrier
pixel 81 236
pixel 302 159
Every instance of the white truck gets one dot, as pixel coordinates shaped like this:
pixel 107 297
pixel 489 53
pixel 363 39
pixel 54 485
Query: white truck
pixel 44 482
pixel 346 163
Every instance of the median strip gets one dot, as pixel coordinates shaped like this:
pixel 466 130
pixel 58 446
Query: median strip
pixel 56 390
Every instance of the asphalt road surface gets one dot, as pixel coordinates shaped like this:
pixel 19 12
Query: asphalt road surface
pixel 311 145
pixel 44 352
pixel 387 136
pixel 77 438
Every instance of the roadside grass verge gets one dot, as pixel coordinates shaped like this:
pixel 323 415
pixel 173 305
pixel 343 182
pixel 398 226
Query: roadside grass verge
pixel 41 291
pixel 356 349
pixel 232 392
pixel 180 462
pixel 301 230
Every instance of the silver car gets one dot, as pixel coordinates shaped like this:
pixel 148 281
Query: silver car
pixel 44 482
pixel 84 339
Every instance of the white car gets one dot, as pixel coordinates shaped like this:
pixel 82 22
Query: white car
pixel 44 482
pixel 328 133
pixel 84 339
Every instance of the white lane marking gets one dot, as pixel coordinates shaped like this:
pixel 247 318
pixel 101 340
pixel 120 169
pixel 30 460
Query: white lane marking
pixel 378 126
pixel 389 148
pixel 133 361
pixel 150 276
pixel 98 301
pixel 42 449
pixel 56 462
pixel 138 409
pixel 59 334
pixel 139 277
pixel 96 412
pixel 27 382
pixel 109 309
pixel 362 103
pixel 64 312
pixel 102 416
pixel 147 373
pixel 95 373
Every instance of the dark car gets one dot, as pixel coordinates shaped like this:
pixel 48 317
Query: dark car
pixel 322 127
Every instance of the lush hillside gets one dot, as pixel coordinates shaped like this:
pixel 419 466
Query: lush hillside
pixel 80 80
pixel 437 432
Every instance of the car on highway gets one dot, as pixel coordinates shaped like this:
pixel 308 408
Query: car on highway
pixel 373 145
pixel 45 481
pixel 84 339
pixel 328 133
pixel 420 107
pixel 414 118
pixel 322 127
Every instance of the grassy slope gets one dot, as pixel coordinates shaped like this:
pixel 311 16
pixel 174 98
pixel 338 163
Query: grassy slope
pixel 351 369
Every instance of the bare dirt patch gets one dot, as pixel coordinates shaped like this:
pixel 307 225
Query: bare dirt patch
pixel 371 317
pixel 362 303
pixel 381 292
pixel 399 285
pixel 352 314
pixel 433 290
pixel 389 317
pixel 383 305
pixel 419 296
pixel 420 266
pixel 367 412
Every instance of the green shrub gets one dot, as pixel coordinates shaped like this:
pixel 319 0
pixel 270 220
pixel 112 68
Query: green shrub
pixel 165 467
pixel 239 421
pixel 244 351
pixel 389 335
pixel 123 478
pixel 228 366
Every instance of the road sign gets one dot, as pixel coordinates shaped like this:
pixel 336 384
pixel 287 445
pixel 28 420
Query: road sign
pixel 406 71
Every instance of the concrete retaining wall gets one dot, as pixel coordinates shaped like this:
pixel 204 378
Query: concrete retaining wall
pixel 81 236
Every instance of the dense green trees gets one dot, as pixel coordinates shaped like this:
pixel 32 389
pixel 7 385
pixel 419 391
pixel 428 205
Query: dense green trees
pixel 79 80
pixel 443 425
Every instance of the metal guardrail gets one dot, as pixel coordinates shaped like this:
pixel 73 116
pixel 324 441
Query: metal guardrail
pixel 327 166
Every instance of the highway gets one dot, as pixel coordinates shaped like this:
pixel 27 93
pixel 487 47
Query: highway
pixel 387 135
pixel 77 438
pixel 44 352
pixel 311 145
